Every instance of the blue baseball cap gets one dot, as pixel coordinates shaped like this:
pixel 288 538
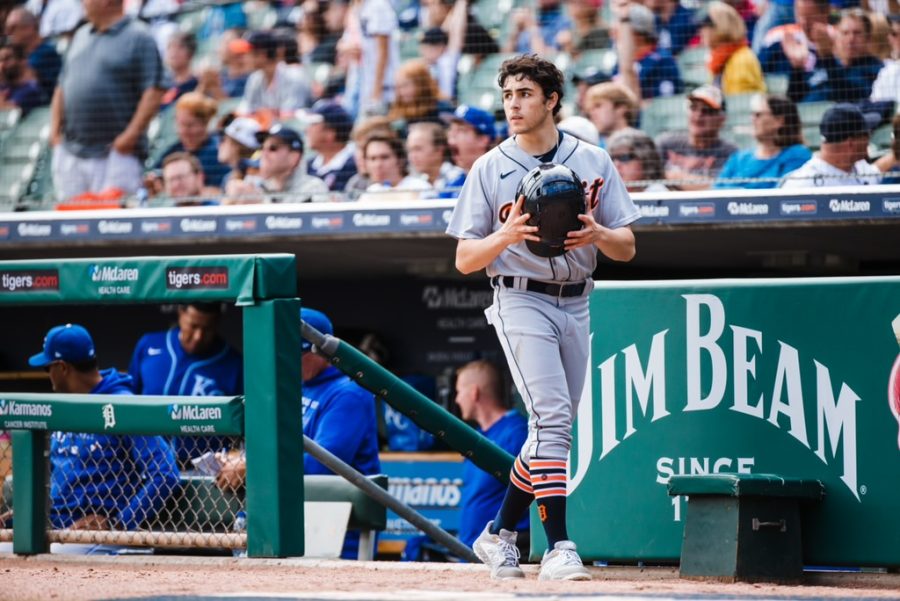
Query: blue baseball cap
pixel 317 320
pixel 70 343
pixel 333 116
pixel 288 135
pixel 482 121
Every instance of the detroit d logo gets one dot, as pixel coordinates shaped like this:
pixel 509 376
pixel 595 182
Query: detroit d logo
pixel 109 416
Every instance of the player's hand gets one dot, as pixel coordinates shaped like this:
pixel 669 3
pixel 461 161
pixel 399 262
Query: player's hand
pixel 515 228
pixel 591 233
pixel 233 474
pixel 91 522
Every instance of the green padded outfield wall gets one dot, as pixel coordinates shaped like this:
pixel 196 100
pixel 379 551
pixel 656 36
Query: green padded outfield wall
pixel 780 376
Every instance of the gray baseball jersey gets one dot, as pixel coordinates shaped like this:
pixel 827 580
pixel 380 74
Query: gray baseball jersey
pixel 490 191
pixel 545 338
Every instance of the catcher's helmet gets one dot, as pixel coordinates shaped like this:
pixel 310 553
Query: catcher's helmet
pixel 554 196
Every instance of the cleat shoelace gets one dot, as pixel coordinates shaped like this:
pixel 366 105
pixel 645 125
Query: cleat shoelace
pixel 508 554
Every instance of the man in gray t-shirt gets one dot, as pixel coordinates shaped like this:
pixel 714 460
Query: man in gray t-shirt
pixel 699 154
pixel 109 90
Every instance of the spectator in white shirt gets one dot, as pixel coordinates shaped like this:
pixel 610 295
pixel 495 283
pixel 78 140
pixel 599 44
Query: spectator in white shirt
pixel 274 87
pixel 842 159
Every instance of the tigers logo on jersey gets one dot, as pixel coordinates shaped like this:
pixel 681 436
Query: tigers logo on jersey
pixel 592 192
pixel 505 210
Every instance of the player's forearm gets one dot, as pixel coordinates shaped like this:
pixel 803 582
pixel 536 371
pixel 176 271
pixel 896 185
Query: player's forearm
pixel 146 110
pixel 474 255
pixel 617 244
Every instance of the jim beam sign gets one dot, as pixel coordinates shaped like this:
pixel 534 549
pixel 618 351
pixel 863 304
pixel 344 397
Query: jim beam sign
pixel 798 378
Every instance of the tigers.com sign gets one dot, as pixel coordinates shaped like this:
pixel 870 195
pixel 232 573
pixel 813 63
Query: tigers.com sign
pixel 792 377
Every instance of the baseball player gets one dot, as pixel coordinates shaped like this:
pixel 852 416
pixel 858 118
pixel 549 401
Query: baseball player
pixel 189 360
pixel 540 308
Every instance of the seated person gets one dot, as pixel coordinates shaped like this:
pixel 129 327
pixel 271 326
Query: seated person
pixel 647 70
pixel 841 161
pixel 97 481
pixel 237 145
pixel 636 158
pixel 386 165
pixel 18 87
pixel 180 52
pixel 426 146
pixel 328 134
pixel 845 70
pixel 280 172
pixel 779 146
pixel 190 359
pixel 694 159
pixel 482 399
pixel 183 181
pixel 338 414
pixel 274 88
pixel 193 113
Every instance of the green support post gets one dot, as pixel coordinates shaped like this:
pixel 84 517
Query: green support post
pixel 273 428
pixel 30 492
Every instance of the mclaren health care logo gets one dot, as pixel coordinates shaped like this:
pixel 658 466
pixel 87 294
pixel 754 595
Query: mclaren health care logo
pixel 113 279
pixel 785 405
pixel 185 413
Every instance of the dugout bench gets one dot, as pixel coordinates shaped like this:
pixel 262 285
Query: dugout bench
pixel 743 527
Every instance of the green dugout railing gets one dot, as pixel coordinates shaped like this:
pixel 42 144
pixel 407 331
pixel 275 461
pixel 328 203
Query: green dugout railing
pixel 265 286
pixel 268 416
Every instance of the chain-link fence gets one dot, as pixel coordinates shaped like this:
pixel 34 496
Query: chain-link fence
pixel 130 490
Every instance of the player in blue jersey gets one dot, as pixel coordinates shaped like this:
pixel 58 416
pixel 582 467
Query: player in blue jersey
pixel 338 414
pixel 189 360
pixel 480 396
pixel 99 482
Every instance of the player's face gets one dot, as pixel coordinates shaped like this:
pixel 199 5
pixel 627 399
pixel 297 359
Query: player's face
pixel 57 372
pixel 196 330
pixel 525 105
pixel 311 365
pixel 466 394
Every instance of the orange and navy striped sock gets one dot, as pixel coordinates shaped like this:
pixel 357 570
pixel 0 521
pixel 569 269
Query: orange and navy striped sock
pixel 548 480
pixel 517 499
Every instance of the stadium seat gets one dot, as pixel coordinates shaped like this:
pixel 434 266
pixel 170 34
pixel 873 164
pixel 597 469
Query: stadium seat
pixel 777 83
pixel 664 114
pixel 692 65
pixel 604 59
pixel 810 116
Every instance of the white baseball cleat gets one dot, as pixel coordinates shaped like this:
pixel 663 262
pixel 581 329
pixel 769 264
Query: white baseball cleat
pixel 563 563
pixel 499 552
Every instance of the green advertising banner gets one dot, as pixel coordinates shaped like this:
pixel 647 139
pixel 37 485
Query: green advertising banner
pixel 120 414
pixel 244 278
pixel 799 378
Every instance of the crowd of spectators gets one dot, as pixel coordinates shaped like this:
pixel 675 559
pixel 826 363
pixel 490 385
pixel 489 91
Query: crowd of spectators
pixel 428 126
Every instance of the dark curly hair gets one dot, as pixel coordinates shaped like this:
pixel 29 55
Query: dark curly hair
pixel 539 70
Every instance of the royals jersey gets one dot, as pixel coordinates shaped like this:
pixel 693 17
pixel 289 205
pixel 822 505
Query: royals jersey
pixel 490 191
pixel 161 366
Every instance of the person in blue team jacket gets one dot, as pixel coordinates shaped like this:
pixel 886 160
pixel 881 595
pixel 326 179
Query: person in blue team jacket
pixel 100 482
pixel 479 394
pixel 338 414
pixel 189 360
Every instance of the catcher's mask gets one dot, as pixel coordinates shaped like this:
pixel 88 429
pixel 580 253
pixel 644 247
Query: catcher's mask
pixel 554 197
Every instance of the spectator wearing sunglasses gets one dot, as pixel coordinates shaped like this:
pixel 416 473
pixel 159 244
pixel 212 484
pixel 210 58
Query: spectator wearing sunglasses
pixel 779 146
pixel 638 161
pixel 693 159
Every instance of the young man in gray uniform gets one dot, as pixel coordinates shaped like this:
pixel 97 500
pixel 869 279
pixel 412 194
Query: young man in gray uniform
pixel 540 308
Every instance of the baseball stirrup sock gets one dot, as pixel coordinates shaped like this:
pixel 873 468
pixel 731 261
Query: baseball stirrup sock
pixel 517 499
pixel 548 479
